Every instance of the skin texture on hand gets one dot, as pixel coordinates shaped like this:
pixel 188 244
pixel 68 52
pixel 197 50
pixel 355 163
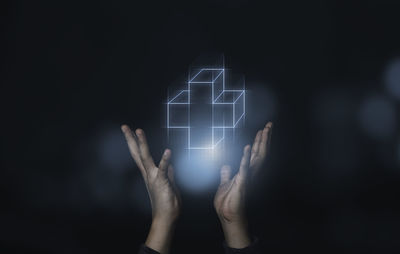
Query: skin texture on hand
pixel 229 201
pixel 164 196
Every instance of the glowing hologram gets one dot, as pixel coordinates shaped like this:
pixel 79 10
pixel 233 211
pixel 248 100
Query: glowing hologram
pixel 206 101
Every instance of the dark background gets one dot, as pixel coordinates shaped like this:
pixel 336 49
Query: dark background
pixel 73 71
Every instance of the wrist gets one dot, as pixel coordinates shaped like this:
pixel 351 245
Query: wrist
pixel 236 233
pixel 160 234
pixel 165 218
pixel 163 221
pixel 165 213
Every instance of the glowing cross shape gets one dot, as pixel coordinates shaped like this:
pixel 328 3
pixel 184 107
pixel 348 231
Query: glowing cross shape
pixel 206 109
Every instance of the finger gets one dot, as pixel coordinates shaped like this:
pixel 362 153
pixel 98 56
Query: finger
pixel 264 139
pixel 269 136
pixel 165 159
pixel 244 163
pixel 171 174
pixel 133 147
pixel 144 150
pixel 256 144
pixel 226 172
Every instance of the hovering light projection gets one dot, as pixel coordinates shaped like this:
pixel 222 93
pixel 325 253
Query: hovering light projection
pixel 205 110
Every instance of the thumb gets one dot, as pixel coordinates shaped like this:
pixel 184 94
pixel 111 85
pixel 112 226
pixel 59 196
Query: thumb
pixel 226 172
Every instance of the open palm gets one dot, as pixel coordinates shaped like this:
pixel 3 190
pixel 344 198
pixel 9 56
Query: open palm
pixel 229 201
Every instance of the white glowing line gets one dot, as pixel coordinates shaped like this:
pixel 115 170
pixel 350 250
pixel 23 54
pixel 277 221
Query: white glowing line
pixel 196 75
pixel 213 102
pixel 219 96
pixel 244 105
pixel 218 76
pixel 233 114
pixel 168 116
pixel 189 113
pixel 177 95
pixel 212 112
pixel 238 91
pixel 223 81
pixel 238 120
pixel 219 141
pixel 238 97
pixel 200 147
pixel 207 69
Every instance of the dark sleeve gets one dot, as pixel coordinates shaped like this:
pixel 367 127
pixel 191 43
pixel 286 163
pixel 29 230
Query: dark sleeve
pixel 146 250
pixel 253 248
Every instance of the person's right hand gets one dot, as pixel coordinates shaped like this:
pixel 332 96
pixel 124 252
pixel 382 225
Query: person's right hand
pixel 164 196
pixel 230 199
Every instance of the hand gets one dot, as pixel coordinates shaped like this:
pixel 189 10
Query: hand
pixel 259 149
pixel 164 196
pixel 229 201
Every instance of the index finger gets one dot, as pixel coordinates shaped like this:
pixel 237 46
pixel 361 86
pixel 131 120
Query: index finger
pixel 266 134
pixel 144 150
pixel 133 147
pixel 256 144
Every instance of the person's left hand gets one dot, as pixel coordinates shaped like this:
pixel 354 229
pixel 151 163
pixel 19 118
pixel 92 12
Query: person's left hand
pixel 164 196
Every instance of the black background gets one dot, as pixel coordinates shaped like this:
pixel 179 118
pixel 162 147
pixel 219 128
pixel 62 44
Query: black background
pixel 73 71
